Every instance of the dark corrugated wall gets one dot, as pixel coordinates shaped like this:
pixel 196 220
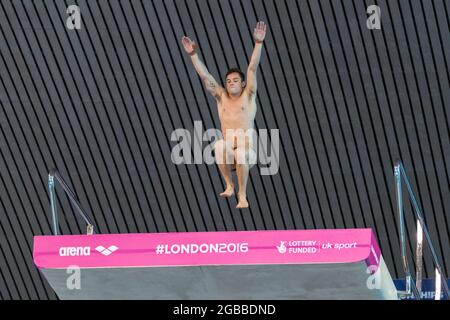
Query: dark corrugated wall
pixel 100 105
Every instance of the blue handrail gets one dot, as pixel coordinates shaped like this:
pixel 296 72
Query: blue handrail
pixel 411 286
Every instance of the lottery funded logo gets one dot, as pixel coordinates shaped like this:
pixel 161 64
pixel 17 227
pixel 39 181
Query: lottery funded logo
pixel 298 247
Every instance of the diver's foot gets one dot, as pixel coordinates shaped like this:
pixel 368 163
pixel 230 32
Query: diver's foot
pixel 243 203
pixel 229 191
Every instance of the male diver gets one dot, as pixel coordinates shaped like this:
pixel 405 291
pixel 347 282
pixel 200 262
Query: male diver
pixel 237 109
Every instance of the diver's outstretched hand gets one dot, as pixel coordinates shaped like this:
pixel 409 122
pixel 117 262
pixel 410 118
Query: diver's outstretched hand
pixel 189 46
pixel 260 31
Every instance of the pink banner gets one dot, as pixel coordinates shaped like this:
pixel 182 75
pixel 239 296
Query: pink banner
pixel 207 248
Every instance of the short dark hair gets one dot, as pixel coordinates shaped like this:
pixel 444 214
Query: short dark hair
pixel 237 70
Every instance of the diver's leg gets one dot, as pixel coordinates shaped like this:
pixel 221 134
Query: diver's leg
pixel 224 159
pixel 245 158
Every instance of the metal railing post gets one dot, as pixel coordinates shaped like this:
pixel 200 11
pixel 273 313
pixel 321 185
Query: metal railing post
pixel 54 176
pixel 51 189
pixel 415 287
pixel 419 257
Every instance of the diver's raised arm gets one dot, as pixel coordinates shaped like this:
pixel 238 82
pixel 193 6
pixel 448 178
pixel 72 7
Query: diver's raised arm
pixel 258 35
pixel 210 83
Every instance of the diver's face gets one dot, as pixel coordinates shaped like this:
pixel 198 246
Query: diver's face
pixel 234 84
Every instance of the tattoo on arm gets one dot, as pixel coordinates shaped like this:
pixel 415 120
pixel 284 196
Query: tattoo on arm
pixel 212 86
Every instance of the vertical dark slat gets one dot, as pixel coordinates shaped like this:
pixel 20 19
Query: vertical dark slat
pixel 325 167
pixel 395 132
pixel 400 88
pixel 397 112
pixel 442 118
pixel 90 150
pixel 189 210
pixel 21 246
pixel 5 288
pixel 103 144
pixel 68 137
pixel 443 87
pixel 138 74
pixel 66 121
pixel 127 51
pixel 104 84
pixel 358 92
pixel 437 23
pixel 133 142
pixel 76 99
pixel 142 65
pixel 314 126
pixel 295 127
pixel 70 112
pixel 175 213
pixel 33 146
pixel 119 120
pixel 353 117
pixel 376 102
pixel 112 101
pixel 22 178
pixel 312 148
pixel 79 155
pixel 380 108
pixel 168 123
pixel 332 117
pixel 197 173
pixel 24 210
pixel 15 290
pixel 418 162
pixel 17 98
pixel 288 191
pixel 428 100
pixel 344 122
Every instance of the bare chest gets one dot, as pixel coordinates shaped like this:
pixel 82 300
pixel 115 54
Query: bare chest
pixel 237 112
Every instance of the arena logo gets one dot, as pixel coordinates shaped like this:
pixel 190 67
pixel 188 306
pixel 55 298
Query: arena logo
pixel 74 251
pixel 187 147
pixel 85 251
pixel 106 251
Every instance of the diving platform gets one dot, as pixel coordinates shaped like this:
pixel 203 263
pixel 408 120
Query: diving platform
pixel 232 265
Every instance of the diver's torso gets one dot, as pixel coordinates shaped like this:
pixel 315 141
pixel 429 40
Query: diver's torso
pixel 237 114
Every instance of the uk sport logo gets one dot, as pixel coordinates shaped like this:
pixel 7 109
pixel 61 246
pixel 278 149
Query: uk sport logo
pixel 106 251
